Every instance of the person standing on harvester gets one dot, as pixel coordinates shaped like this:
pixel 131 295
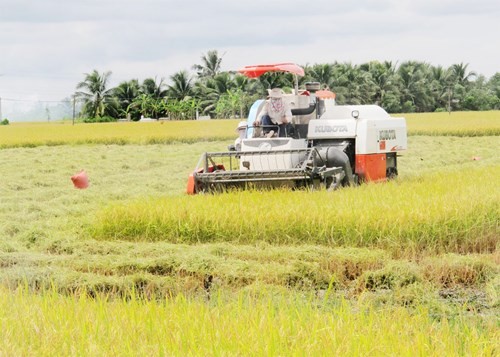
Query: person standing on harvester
pixel 276 112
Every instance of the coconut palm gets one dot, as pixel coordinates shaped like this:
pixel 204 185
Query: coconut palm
pixel 352 85
pixel 415 86
pixel 383 78
pixel 210 91
pixel 153 88
pixel 460 74
pixel 271 80
pixel 181 86
pixel 125 93
pixel 322 73
pixel 97 98
pixel 441 86
pixel 211 65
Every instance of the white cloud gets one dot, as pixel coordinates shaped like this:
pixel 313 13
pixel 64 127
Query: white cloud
pixel 46 46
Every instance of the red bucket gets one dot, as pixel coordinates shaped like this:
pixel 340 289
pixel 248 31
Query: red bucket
pixel 80 180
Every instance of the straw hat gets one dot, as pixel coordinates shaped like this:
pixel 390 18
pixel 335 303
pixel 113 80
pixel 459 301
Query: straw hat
pixel 275 93
pixel 242 125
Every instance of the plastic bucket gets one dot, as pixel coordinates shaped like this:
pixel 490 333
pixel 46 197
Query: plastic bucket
pixel 80 180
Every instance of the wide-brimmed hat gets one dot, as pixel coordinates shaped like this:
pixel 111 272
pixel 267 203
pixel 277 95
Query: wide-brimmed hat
pixel 242 125
pixel 275 93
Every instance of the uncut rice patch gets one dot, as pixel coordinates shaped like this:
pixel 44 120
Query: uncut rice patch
pixel 438 212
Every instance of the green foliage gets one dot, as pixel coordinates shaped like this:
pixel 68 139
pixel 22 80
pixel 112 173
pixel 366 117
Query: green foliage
pixel 211 66
pixel 103 119
pixel 148 106
pixel 125 94
pixel 98 99
pixel 231 105
pixel 182 109
pixel 4 122
pixel 181 87
pixel 412 86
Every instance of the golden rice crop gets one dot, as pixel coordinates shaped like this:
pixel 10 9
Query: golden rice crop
pixel 456 211
pixel 162 132
pixel 49 324
pixel 454 124
pixel 166 132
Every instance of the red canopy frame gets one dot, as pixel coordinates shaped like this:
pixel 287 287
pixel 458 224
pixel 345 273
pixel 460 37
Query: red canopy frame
pixel 258 70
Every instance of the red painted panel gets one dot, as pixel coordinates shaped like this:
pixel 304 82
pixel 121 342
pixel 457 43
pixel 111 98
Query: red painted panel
pixel 371 167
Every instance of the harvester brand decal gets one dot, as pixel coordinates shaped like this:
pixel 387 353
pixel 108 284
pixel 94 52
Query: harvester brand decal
pixel 330 129
pixel 387 134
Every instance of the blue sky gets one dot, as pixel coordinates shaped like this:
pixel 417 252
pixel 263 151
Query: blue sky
pixel 47 46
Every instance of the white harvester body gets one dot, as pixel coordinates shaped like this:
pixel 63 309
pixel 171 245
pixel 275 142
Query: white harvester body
pixel 325 145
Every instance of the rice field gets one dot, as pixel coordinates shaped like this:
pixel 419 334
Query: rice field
pixel 454 124
pixel 162 132
pixel 133 266
pixel 451 212
pixel 462 124
pixel 51 324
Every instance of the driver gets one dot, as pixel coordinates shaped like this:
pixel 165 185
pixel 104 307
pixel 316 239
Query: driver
pixel 275 115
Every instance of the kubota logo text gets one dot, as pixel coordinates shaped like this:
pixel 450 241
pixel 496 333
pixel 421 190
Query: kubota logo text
pixel 330 129
pixel 387 134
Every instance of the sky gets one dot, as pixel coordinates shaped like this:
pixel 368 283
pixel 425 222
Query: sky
pixel 46 47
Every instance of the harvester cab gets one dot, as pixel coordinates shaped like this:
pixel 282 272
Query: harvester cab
pixel 325 146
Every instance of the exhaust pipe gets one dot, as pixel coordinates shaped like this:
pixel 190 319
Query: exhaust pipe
pixel 304 111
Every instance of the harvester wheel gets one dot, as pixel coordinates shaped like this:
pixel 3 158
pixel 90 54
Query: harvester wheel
pixel 391 173
pixel 331 184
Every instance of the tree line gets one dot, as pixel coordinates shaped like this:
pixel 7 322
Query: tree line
pixel 411 86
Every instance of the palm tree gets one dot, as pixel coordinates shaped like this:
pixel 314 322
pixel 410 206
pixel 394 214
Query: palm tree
pixel 211 65
pixel 153 89
pixel 384 79
pixel 352 85
pixel 322 73
pixel 271 80
pixel 416 78
pixel 460 74
pixel 181 87
pixel 459 84
pixel 97 98
pixel 210 91
pixel 441 86
pixel 125 94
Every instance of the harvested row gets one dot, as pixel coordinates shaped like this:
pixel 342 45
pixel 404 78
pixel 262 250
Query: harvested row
pixel 445 212
pixel 118 269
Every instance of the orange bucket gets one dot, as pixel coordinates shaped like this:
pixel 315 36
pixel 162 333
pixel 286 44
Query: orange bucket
pixel 80 180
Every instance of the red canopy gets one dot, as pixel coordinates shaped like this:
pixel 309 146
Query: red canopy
pixel 325 94
pixel 260 69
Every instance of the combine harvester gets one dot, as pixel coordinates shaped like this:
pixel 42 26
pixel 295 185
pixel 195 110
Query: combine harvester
pixel 328 145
